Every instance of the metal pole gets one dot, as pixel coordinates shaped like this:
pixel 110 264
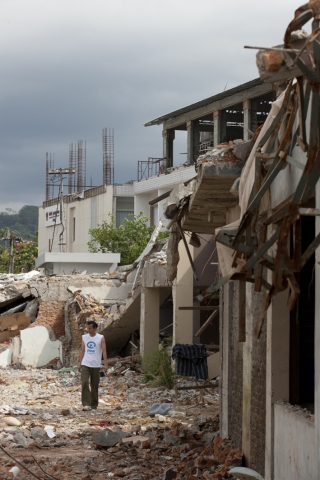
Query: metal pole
pixel 11 257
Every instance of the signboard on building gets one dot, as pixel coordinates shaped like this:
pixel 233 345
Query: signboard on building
pixel 52 216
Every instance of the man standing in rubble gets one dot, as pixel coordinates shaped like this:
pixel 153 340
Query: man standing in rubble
pixel 92 349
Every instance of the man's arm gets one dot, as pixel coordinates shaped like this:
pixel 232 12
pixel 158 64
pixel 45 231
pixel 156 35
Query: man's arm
pixel 81 355
pixel 104 353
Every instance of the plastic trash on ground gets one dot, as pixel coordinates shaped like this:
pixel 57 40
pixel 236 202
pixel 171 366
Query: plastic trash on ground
pixel 159 408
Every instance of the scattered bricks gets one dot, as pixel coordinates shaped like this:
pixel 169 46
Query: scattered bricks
pixel 224 453
pixel 145 444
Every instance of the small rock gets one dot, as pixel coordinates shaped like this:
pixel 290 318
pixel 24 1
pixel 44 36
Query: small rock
pixel 208 437
pixel 107 438
pixel 20 439
pixel 38 433
pixel 169 475
pixel 176 414
pixel 202 421
pixel 14 422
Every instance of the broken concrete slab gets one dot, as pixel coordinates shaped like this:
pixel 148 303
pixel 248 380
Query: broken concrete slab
pixel 171 205
pixel 37 349
pixel 5 355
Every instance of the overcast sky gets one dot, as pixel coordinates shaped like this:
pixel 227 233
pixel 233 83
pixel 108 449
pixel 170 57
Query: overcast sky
pixel 72 67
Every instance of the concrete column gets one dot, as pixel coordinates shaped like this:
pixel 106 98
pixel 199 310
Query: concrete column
pixel 317 337
pixel 168 137
pixel 193 140
pixel 223 126
pixel 225 318
pixel 216 128
pixel 247 377
pixel 141 204
pixel 246 119
pixel 149 320
pixel 182 293
pixel 277 368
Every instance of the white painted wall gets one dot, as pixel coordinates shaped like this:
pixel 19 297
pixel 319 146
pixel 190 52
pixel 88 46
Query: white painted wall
pixel 65 263
pixel 162 181
pixel 37 349
pixel 88 213
pixel 295 454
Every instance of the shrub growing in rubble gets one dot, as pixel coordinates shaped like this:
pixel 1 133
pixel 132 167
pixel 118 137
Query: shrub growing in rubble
pixel 157 368
pixel 130 239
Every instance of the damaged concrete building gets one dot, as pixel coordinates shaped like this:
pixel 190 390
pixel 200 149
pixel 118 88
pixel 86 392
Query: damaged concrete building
pixel 261 200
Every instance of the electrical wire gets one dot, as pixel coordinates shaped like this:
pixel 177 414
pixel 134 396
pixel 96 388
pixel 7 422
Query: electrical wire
pixel 54 227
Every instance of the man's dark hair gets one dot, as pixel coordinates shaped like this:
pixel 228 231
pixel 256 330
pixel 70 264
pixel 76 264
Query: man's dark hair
pixel 93 323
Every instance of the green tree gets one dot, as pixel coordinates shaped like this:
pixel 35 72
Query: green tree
pixel 130 239
pixel 24 222
pixel 24 254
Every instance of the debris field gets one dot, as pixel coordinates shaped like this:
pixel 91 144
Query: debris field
pixel 45 433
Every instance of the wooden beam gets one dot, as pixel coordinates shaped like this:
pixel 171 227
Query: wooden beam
pixel 206 324
pixel 161 197
pixel 188 251
pixel 199 308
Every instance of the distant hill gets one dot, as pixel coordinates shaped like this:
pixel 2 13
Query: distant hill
pixel 24 222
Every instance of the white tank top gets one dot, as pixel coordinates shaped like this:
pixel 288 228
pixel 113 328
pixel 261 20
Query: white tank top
pixel 93 350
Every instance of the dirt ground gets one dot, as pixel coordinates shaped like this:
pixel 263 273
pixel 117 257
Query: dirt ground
pixel 47 402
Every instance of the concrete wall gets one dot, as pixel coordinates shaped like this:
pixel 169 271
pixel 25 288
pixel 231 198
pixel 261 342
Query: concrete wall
pixel 88 213
pixel 295 453
pixel 67 268
pixel 37 349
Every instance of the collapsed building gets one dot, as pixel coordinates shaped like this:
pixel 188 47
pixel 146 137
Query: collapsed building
pixel 263 213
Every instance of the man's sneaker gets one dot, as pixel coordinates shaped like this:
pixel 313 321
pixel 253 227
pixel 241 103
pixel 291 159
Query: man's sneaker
pixel 86 407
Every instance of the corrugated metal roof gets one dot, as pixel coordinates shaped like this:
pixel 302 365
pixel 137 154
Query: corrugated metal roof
pixel 193 106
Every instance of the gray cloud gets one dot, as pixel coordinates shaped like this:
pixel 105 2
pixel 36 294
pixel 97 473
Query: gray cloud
pixel 72 67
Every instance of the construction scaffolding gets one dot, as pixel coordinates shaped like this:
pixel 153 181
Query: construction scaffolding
pixel 49 184
pixel 81 157
pixel 108 155
pixel 72 166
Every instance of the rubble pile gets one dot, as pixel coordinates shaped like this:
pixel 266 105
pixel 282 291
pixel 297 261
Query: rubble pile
pixel 159 254
pixel 233 151
pixel 44 428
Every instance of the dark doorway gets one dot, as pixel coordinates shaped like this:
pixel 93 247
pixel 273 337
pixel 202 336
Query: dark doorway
pixel 302 327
